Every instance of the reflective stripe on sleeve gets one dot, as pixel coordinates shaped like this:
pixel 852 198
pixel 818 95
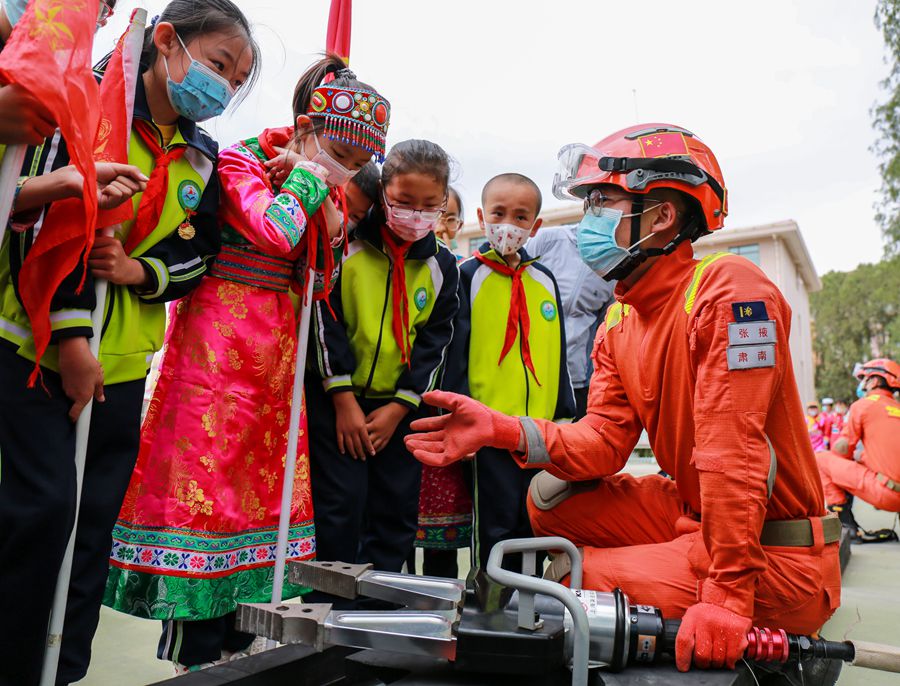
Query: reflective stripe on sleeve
pixel 535 448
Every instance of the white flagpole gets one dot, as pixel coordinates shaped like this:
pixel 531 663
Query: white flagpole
pixel 82 434
pixel 290 464
pixel 10 169
pixel 131 55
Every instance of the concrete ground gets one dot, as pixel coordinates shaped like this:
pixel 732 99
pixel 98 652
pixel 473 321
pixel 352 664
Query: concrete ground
pixel 124 652
pixel 870 598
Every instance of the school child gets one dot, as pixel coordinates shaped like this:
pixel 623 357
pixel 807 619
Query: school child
pixel 204 501
pixel 362 192
pixel 509 350
pixel 159 255
pixel 445 499
pixel 451 221
pixel 380 343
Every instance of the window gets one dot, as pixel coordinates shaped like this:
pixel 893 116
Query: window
pixel 751 252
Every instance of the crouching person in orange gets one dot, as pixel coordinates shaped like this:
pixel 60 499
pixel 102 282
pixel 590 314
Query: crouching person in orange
pixel 697 353
pixel 875 421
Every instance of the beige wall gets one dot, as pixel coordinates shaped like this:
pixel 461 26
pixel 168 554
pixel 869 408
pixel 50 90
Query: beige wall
pixel 780 264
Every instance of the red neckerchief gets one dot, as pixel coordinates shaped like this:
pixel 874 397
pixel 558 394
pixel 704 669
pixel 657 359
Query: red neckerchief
pixel 400 323
pixel 316 229
pixel 517 321
pixel 154 197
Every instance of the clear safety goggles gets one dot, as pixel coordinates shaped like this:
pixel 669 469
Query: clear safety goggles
pixel 579 164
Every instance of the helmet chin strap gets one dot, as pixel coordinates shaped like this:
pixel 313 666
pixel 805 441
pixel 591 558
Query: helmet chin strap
pixel 638 255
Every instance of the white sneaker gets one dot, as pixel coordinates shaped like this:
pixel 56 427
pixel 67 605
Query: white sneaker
pixel 259 645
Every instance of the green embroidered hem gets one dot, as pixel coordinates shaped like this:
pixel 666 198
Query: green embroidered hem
pixel 152 596
pixel 444 537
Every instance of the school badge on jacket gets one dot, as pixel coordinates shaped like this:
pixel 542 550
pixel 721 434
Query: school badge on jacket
pixel 189 199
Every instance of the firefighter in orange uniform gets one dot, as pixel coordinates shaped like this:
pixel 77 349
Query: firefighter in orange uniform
pixel 695 352
pixel 875 421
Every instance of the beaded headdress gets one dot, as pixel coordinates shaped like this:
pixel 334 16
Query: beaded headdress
pixel 352 115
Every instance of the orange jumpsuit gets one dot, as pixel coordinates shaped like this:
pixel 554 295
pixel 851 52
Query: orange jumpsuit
pixel 662 362
pixel 874 420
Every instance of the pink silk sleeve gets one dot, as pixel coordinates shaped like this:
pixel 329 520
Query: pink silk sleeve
pixel 273 223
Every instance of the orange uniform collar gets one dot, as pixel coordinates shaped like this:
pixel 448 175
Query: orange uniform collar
pixel 655 287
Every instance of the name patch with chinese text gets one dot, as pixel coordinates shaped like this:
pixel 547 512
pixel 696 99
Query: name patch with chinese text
pixel 751 356
pixel 751 333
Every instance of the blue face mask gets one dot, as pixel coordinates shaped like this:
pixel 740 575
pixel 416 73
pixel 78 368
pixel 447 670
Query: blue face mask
pixel 861 389
pixel 202 94
pixel 597 241
pixel 14 10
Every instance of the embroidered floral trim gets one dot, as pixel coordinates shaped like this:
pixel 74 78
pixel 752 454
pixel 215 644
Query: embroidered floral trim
pixel 154 596
pixel 444 537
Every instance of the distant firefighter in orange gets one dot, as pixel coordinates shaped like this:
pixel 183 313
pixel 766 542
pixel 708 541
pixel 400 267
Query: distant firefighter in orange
pixel 874 421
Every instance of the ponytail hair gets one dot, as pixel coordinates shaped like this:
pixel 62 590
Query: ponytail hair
pixel 193 18
pixel 417 156
pixel 314 77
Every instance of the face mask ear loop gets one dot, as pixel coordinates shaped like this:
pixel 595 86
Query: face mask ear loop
pixel 686 232
pixel 637 211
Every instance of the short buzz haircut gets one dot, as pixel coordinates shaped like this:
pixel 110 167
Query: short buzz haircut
pixel 513 177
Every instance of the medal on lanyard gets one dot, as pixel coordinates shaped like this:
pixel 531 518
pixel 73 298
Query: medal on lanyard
pixel 189 199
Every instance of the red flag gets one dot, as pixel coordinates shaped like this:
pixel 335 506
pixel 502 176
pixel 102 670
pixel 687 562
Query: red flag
pixel 338 37
pixel 117 106
pixel 663 144
pixel 49 55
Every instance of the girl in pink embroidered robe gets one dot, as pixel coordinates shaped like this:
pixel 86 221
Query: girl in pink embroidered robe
pixel 197 531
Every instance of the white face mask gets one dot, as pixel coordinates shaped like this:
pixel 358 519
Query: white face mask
pixel 338 174
pixel 506 239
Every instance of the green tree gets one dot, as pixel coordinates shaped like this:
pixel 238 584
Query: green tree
pixel 886 119
pixel 857 317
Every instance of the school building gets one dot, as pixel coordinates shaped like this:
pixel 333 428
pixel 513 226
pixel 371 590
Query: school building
pixel 778 249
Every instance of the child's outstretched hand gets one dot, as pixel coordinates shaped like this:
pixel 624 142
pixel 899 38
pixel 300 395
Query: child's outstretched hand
pixel 352 435
pixel 382 423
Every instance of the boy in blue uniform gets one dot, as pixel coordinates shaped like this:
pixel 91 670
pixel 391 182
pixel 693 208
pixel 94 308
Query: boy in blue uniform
pixel 514 363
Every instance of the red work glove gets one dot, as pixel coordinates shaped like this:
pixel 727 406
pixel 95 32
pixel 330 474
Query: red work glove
pixel 468 427
pixel 712 635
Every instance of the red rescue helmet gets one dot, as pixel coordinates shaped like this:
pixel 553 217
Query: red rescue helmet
pixel 882 367
pixel 644 157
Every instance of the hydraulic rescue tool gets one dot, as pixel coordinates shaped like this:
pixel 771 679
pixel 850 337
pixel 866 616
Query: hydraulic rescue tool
pixel 510 623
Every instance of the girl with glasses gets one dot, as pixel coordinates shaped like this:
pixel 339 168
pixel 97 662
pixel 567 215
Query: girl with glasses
pixel 380 343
